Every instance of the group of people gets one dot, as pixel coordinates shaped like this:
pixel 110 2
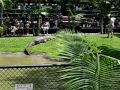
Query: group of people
pixel 20 27
pixel 90 22
pixel 15 26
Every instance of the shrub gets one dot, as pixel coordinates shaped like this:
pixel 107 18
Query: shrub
pixel 1 29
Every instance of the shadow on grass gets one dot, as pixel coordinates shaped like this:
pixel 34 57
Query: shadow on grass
pixel 110 51
pixel 117 35
pixel 104 37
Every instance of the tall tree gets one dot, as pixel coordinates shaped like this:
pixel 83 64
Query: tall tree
pixel 4 4
pixel 116 5
pixel 69 10
pixel 1 10
pixel 105 6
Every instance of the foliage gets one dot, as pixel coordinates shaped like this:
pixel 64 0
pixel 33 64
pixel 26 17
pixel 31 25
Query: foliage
pixel 91 70
pixel 2 3
pixel 40 9
pixel 68 10
pixel 1 29
pixel 6 3
pixel 105 6
pixel 116 5
pixel 70 43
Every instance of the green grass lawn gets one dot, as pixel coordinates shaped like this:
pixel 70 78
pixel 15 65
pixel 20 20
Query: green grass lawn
pixel 18 44
pixel 102 40
pixel 50 48
pixel 109 46
pixel 14 44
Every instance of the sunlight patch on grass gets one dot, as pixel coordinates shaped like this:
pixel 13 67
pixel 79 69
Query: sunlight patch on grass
pixel 50 48
pixel 14 44
pixel 101 40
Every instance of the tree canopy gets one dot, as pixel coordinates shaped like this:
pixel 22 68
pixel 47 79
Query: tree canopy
pixel 105 6
pixel 2 3
pixel 6 3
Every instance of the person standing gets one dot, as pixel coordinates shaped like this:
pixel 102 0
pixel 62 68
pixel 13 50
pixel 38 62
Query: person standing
pixel 110 29
pixel 13 30
pixel 7 23
pixel 21 27
pixel 17 25
pixel 45 27
pixel 112 19
pixel 27 25
pixel 111 26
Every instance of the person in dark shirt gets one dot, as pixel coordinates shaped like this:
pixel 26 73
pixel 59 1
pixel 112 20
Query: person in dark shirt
pixel 21 27
pixel 110 30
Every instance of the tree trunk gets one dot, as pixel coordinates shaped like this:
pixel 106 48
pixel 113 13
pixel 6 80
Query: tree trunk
pixel 39 24
pixel 1 15
pixel 102 25
pixel 69 24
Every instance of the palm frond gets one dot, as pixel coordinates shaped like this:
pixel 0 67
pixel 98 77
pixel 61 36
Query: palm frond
pixel 85 71
pixel 73 46
pixel 90 70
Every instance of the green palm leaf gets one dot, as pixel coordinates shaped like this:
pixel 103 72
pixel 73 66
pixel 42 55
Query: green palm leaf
pixel 86 72
pixel 73 46
pixel 90 70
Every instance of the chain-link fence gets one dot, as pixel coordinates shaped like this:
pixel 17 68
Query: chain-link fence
pixel 43 77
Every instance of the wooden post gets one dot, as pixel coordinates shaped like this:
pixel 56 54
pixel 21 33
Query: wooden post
pixel 39 20
pixel 102 25
pixel 39 23
pixel 1 15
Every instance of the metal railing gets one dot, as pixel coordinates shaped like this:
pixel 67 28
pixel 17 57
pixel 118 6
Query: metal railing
pixel 42 77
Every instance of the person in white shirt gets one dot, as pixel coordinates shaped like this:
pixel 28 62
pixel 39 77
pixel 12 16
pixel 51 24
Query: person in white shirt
pixel 13 30
pixel 112 19
pixel 46 27
pixel 111 26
